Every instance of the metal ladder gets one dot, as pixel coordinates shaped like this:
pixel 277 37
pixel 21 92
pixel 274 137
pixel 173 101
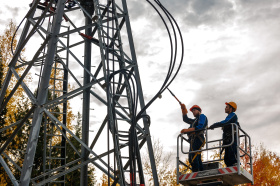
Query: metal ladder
pixel 118 92
pixel 55 142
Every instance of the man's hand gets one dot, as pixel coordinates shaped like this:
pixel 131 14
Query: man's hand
pixel 184 109
pixel 212 126
pixel 187 130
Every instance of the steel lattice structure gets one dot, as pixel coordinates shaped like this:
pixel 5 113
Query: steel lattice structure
pixel 110 78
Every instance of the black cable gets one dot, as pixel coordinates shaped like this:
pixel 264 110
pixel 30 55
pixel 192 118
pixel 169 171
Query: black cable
pixel 133 93
pixel 108 90
pixel 22 60
pixel 172 61
pixel 172 65
pixel 132 85
pixel 15 35
pixel 131 81
pixel 181 38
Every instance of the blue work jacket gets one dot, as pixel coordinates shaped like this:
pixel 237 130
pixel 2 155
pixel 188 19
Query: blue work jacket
pixel 227 129
pixel 231 118
pixel 198 123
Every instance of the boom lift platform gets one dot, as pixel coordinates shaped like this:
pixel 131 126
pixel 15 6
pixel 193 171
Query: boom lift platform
pixel 214 173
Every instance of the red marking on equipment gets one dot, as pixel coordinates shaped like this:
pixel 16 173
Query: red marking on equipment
pixel 228 169
pixel 66 19
pixel 142 184
pixel 235 168
pixel 188 175
pixel 194 175
pixel 181 177
pixel 221 171
pixel 86 36
pixel 131 178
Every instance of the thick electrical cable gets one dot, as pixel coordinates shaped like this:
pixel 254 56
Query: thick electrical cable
pixel 108 89
pixel 133 88
pixel 70 5
pixel 172 63
pixel 133 94
pixel 172 60
pixel 181 38
pixel 40 24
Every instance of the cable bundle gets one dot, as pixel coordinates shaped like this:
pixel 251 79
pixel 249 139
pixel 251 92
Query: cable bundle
pixel 132 83
pixel 174 51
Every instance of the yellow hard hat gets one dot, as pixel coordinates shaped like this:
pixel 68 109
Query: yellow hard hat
pixel 233 105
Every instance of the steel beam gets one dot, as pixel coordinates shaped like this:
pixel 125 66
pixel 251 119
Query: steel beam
pixel 42 95
pixel 86 97
pixel 110 22
pixel 8 171
pixel 141 96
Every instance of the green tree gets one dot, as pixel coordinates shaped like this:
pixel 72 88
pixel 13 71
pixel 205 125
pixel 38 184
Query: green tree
pixel 162 161
pixel 73 177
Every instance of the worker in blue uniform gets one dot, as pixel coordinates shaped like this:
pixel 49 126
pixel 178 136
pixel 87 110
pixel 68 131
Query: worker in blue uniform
pixel 196 135
pixel 230 157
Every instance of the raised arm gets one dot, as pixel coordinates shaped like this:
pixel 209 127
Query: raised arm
pixel 187 119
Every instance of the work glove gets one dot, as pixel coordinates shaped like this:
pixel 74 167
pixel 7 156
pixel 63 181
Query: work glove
pixel 184 109
pixel 215 125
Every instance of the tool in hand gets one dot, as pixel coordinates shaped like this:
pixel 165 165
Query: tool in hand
pixel 174 96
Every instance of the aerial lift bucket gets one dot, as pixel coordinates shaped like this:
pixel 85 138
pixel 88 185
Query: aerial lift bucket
pixel 214 173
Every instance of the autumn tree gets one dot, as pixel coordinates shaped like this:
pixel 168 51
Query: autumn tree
pixel 166 175
pixel 162 162
pixel 266 166
pixel 8 40
pixel 3 176
pixel 17 108
pixel 1 69
pixel 105 181
pixel 14 109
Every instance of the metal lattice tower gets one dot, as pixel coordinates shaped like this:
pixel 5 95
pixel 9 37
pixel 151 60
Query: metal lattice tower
pixel 110 79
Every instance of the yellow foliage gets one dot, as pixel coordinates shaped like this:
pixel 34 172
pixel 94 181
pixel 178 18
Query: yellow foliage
pixel 266 166
pixel 15 103
pixel 3 181
pixel 104 180
pixel 5 47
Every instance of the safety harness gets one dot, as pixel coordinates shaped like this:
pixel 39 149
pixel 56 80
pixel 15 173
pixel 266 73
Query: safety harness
pixel 192 136
pixel 197 153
